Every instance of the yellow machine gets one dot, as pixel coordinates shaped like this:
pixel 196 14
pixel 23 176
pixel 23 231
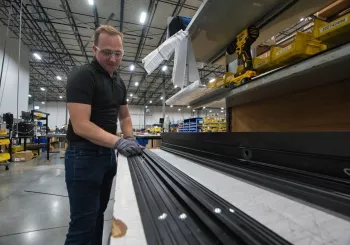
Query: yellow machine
pixel 242 45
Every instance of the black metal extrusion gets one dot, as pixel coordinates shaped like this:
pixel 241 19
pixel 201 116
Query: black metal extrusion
pixel 313 167
pixel 176 209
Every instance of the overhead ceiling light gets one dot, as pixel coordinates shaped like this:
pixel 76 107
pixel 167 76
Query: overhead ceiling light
pixel 59 78
pixel 143 17
pixel 222 108
pixel 127 100
pixel 161 98
pixel 171 106
pixel 164 68
pixel 212 80
pixel 91 2
pixel 151 102
pixel 37 56
pixel 136 84
pixel 146 106
pixel 175 86
pixel 42 89
pixel 210 111
pixel 43 102
pixel 188 106
pixel 203 107
pixel 132 67
pixel 222 111
pixel 194 110
pixel 29 96
pixel 130 95
pixel 179 109
pixel 61 97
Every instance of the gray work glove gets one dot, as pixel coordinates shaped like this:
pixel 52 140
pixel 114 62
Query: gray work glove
pixel 131 138
pixel 127 148
pixel 135 140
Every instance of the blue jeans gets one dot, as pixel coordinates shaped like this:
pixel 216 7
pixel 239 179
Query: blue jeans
pixel 90 170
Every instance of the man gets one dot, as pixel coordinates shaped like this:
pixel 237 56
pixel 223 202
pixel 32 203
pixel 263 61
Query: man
pixel 96 97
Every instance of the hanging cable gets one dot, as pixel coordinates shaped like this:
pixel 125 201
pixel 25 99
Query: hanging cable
pixel 19 59
pixel 5 44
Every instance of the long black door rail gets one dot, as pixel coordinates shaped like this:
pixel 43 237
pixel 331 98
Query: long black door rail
pixel 313 167
pixel 176 209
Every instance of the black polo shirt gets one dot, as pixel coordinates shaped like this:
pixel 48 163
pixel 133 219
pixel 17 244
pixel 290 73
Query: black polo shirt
pixel 92 85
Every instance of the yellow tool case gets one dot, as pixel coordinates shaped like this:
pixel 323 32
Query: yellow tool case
pixel 304 46
pixel 4 157
pixel 227 77
pixel 333 33
pixel 218 83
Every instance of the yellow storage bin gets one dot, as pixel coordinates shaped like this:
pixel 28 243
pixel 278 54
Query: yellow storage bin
pixel 17 148
pixel 304 45
pixel 4 141
pixel 262 65
pixel 4 157
pixel 333 33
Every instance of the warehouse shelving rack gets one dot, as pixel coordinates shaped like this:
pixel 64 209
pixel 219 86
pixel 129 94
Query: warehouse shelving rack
pixel 193 125
pixel 44 118
pixel 5 140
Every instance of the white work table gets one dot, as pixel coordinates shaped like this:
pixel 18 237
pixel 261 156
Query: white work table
pixel 298 223
pixel 126 208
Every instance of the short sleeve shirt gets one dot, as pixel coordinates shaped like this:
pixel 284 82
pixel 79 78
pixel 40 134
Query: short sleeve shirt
pixel 92 85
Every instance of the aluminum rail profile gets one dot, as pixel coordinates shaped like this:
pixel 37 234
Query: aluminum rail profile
pixel 175 209
pixel 322 192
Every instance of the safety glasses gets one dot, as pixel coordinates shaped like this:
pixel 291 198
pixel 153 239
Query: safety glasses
pixel 109 53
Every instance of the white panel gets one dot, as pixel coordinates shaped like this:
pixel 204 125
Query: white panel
pixel 8 90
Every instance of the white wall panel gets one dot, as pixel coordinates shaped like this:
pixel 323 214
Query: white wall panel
pixel 8 90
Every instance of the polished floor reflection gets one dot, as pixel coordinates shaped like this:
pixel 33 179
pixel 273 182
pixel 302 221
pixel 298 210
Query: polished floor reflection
pixel 34 207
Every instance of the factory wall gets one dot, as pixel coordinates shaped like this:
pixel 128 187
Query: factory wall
pixel 57 112
pixel 8 89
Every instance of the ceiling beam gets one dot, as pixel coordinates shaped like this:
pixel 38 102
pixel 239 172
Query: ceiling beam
pixel 43 15
pixel 152 4
pixel 66 7
pixel 121 15
pixel 96 20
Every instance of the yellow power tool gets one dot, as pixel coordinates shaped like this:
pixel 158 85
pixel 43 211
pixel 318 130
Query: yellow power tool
pixel 242 45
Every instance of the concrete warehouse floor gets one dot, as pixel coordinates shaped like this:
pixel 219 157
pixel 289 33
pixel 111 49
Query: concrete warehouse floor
pixel 34 207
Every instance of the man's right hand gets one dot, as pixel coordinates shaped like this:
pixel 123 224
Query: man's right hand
pixel 127 148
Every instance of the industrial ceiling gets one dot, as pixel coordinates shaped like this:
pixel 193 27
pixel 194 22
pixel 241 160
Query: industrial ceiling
pixel 60 32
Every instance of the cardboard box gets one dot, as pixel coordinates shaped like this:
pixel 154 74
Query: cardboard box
pixel 149 145
pixel 156 143
pixel 22 156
